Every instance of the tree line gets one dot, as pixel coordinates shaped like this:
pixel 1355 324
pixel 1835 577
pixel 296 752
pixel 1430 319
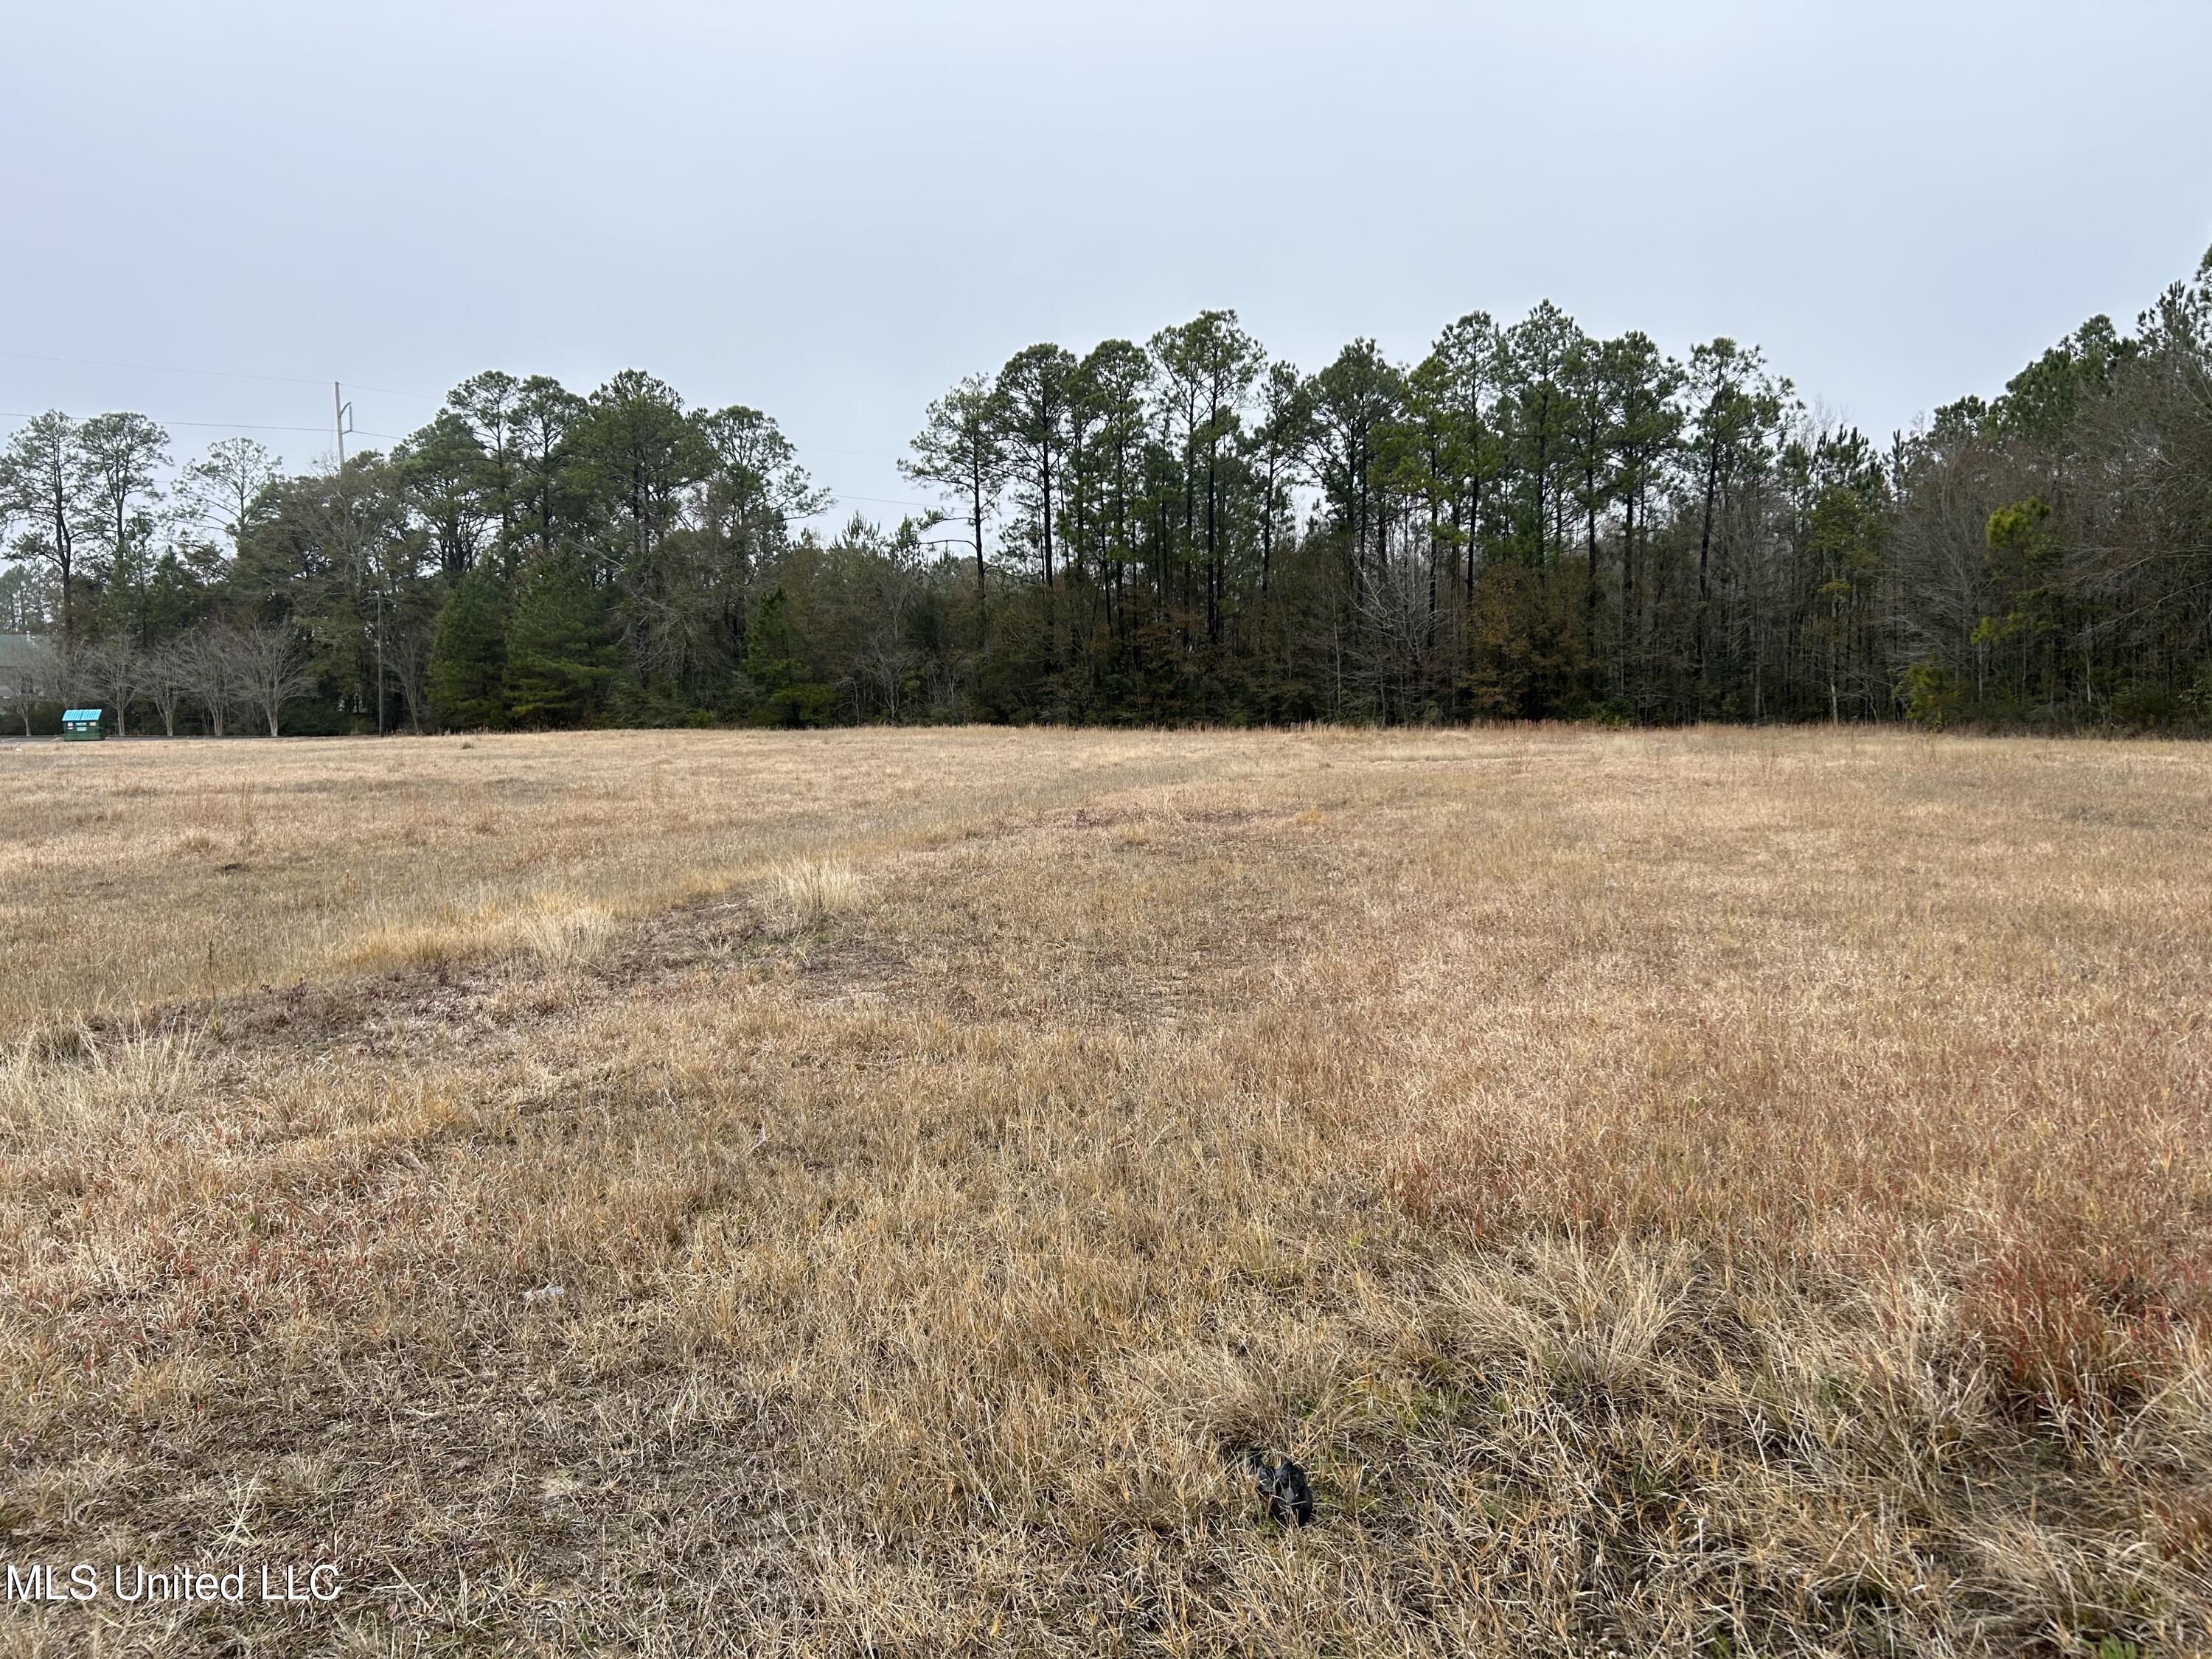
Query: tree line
pixel 532 556
pixel 1526 522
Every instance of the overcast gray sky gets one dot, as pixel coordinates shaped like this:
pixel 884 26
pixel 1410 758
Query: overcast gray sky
pixel 832 210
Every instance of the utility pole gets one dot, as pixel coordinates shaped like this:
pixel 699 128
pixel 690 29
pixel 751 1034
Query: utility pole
pixel 341 423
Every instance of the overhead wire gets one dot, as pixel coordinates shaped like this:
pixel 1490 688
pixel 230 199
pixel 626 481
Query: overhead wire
pixel 233 426
pixel 357 385
pixel 220 374
pixel 301 380
pixel 885 501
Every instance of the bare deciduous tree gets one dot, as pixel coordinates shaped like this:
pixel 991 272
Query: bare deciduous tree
pixel 113 669
pixel 210 674
pixel 1398 618
pixel 166 679
pixel 408 662
pixel 887 656
pixel 270 669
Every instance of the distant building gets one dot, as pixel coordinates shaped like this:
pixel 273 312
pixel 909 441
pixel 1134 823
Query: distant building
pixel 30 674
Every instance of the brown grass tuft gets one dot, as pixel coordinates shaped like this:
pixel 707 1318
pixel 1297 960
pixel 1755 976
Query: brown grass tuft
pixel 815 889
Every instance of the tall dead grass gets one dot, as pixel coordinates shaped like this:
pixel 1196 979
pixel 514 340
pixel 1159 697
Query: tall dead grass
pixel 1699 1192
pixel 815 889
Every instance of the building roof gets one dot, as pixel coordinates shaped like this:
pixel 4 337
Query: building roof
pixel 25 651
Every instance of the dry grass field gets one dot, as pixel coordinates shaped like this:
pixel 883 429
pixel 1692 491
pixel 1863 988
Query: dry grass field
pixel 1705 1192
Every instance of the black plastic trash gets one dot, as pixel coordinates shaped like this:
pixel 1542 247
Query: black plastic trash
pixel 1282 1485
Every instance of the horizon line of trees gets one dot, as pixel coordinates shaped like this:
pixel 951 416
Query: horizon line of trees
pixel 1528 522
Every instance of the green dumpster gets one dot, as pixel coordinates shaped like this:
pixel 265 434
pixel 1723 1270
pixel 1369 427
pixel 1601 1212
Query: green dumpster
pixel 80 725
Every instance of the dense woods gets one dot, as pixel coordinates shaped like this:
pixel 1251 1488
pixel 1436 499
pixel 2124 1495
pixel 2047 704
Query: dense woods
pixel 1529 522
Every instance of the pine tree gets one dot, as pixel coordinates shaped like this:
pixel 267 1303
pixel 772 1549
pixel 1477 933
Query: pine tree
pixel 559 653
pixel 775 662
pixel 468 653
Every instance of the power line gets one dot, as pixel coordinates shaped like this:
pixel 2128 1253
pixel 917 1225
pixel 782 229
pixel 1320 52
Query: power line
pixel 227 426
pixel 885 501
pixel 831 449
pixel 220 374
pixel 301 380
pixel 394 437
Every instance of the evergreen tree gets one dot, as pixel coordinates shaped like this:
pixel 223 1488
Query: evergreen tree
pixel 468 652
pixel 560 655
pixel 775 662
